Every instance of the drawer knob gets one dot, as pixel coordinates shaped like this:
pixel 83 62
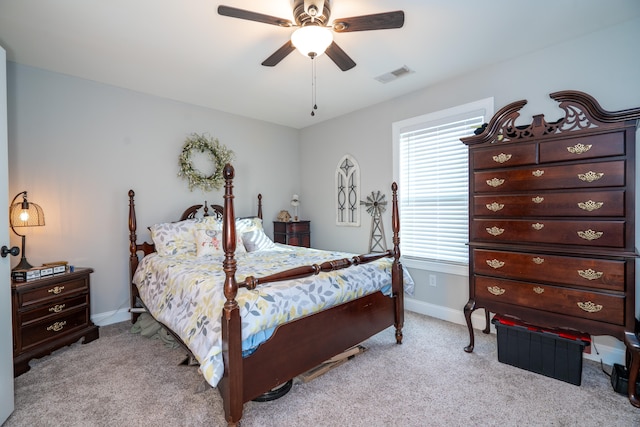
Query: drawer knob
pixel 590 176
pixel 538 290
pixel 590 307
pixel 495 206
pixel 590 274
pixel 590 205
pixel 537 199
pixel 537 260
pixel 537 226
pixel 56 290
pixel 495 182
pixel 579 148
pixel 590 234
pixel 57 326
pixel 537 173
pixel 495 231
pixel 501 158
pixel 494 263
pixel 57 308
pixel 495 290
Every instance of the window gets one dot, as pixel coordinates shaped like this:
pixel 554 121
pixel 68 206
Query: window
pixel 431 168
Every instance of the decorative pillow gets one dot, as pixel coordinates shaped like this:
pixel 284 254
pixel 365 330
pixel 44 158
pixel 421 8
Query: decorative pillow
pixel 252 233
pixel 257 240
pixel 176 238
pixel 209 242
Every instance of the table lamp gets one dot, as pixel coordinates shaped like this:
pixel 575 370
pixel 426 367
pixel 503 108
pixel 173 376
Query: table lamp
pixel 24 214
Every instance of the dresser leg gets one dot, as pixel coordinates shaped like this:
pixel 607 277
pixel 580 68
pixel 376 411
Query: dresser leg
pixel 468 310
pixel 633 345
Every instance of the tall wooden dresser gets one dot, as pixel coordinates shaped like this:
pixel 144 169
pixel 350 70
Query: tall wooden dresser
pixel 551 218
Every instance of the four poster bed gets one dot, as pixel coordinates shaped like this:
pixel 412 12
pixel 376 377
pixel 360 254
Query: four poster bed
pixel 274 311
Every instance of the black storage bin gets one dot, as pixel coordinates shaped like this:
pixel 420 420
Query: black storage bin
pixel 553 353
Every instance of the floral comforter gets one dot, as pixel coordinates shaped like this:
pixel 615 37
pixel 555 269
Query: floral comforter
pixel 185 293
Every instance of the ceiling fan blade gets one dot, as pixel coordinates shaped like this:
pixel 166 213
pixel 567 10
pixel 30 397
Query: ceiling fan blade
pixel 253 16
pixel 340 57
pixel 279 54
pixel 378 21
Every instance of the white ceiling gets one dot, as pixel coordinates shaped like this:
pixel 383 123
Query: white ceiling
pixel 184 50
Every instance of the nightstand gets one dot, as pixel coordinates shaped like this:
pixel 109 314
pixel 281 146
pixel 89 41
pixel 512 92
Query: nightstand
pixel 294 233
pixel 48 314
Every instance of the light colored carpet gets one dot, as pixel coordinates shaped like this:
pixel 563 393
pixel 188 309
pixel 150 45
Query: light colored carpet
pixel 123 379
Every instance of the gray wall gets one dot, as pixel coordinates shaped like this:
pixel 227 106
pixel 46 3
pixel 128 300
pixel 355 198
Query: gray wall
pixel 78 146
pixel 604 64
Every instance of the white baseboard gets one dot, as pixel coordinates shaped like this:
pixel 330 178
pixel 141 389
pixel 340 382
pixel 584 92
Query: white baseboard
pixel 605 353
pixel 110 317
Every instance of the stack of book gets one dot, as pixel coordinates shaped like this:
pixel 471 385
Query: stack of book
pixel 35 273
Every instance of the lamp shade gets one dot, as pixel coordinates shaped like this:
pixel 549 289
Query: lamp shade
pixel 312 40
pixel 26 214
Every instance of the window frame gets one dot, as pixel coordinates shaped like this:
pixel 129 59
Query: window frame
pixel 428 120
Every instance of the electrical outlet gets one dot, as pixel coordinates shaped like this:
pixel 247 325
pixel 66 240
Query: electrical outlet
pixel 432 280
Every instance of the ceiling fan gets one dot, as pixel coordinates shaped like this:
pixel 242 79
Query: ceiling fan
pixel 312 18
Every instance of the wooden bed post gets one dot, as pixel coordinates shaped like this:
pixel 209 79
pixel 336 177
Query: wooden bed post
pixel 232 382
pixel 133 254
pixel 260 206
pixel 397 278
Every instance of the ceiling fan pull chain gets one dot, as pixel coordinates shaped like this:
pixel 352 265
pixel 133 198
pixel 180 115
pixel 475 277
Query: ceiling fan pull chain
pixel 313 86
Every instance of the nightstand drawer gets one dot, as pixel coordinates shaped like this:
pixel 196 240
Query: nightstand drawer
pixel 40 294
pixel 51 328
pixel 54 308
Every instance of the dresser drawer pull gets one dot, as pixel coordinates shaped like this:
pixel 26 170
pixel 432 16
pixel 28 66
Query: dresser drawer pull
pixel 494 263
pixel 537 260
pixel 495 290
pixel 590 274
pixel 579 148
pixel 590 205
pixel 56 290
pixel 57 308
pixel 537 226
pixel 495 231
pixel 590 176
pixel 495 206
pixel 57 326
pixel 501 158
pixel 537 199
pixel 590 307
pixel 538 290
pixel 590 234
pixel 537 173
pixel 495 182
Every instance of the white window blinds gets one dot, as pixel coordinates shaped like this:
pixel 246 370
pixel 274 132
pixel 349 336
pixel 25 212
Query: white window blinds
pixel 433 179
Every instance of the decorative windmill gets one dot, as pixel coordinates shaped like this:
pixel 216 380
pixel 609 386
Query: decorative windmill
pixel 376 204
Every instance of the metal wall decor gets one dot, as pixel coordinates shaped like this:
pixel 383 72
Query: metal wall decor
pixel 348 192
pixel 376 204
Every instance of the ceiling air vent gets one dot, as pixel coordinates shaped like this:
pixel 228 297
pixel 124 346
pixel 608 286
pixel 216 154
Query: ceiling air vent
pixel 395 74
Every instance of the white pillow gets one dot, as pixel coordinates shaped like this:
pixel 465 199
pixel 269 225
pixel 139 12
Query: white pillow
pixel 253 236
pixel 209 242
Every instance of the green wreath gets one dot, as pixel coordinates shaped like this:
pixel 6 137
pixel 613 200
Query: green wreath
pixel 218 154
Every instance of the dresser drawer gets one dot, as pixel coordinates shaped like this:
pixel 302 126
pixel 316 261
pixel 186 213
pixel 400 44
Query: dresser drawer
pixel 587 175
pixel 583 272
pixel 585 304
pixel 505 156
pixel 584 204
pixel 43 292
pixel 583 233
pixel 58 306
pixel 588 147
pixel 50 328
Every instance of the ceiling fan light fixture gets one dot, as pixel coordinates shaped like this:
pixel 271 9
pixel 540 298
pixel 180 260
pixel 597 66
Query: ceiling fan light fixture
pixel 312 40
